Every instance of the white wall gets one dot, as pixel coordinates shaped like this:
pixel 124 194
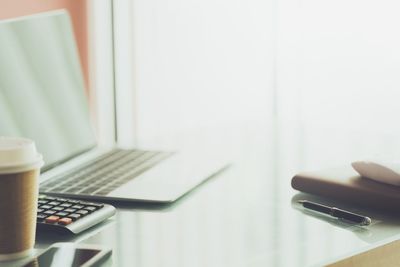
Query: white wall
pixel 334 65
pixel 197 64
pixel 339 77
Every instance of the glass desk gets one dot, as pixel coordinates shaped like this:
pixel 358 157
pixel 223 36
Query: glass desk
pixel 244 216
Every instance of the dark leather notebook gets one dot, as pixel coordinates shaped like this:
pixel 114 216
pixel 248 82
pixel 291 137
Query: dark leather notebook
pixel 347 185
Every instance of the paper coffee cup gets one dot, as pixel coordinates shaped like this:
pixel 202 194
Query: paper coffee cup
pixel 19 171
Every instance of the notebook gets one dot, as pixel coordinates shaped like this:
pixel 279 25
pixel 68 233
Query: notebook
pixel 347 185
pixel 42 97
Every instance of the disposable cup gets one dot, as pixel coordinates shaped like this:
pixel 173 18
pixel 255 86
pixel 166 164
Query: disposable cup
pixel 19 171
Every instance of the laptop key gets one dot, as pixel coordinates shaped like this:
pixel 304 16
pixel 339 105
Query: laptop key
pixel 71 190
pixel 104 192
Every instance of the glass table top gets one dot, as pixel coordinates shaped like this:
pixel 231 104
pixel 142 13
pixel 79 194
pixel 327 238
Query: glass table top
pixel 245 216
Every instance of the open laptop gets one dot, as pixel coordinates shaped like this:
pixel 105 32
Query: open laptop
pixel 42 97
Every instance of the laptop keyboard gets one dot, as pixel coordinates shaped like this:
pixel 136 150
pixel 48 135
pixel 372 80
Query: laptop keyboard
pixel 104 174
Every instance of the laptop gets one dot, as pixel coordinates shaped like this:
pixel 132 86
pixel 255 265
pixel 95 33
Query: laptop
pixel 43 97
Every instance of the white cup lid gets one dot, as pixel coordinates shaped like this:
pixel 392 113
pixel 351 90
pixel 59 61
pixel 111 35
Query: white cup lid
pixel 18 155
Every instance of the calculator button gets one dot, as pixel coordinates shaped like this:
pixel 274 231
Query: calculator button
pixel 45 207
pixel 41 217
pixel 42 201
pixel 39 210
pixel 74 216
pixel 70 210
pixel 54 203
pixel 58 208
pixel 77 207
pixel 90 208
pixel 67 205
pixel 92 204
pixel 61 214
pixel 82 212
pixel 52 219
pixel 65 221
pixel 49 212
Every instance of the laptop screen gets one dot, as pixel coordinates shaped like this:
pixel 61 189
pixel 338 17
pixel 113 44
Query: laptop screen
pixel 42 94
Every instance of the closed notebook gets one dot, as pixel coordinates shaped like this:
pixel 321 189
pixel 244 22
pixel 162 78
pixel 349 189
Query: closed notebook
pixel 347 185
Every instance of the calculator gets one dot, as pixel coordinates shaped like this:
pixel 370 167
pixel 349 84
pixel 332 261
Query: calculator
pixel 70 215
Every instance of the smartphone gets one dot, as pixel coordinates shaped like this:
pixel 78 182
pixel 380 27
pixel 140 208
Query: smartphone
pixel 71 255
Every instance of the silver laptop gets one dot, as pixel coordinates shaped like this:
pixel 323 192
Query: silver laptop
pixel 42 97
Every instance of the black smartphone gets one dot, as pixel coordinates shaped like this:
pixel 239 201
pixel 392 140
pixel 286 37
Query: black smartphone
pixel 71 255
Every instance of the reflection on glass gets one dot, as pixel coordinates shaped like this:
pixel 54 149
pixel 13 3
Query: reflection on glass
pixel 65 256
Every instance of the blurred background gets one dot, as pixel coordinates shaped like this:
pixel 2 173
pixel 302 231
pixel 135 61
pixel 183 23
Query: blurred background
pixel 320 72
